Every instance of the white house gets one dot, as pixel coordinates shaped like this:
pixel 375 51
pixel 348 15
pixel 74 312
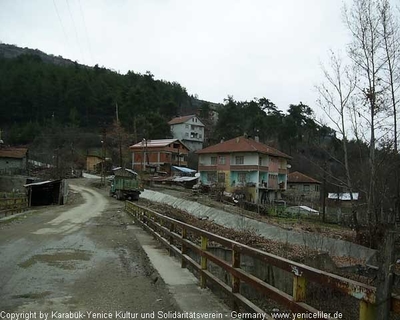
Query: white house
pixel 189 130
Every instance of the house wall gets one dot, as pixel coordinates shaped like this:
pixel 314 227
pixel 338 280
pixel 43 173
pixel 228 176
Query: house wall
pixel 91 163
pixel 12 163
pixel 159 157
pixel 270 170
pixel 193 145
pixel 191 133
pixel 298 190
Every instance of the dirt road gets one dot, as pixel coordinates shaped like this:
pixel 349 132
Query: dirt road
pixel 79 257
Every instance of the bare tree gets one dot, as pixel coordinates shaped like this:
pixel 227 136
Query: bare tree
pixel 390 34
pixel 365 50
pixel 373 46
pixel 335 99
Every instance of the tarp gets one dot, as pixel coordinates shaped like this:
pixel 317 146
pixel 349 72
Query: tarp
pixel 184 169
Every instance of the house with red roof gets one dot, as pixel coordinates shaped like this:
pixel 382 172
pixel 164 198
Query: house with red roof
pixel 243 165
pixel 189 130
pixel 303 187
pixel 13 160
pixel 161 154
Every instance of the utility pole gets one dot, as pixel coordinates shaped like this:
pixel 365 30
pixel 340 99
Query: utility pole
pixel 103 156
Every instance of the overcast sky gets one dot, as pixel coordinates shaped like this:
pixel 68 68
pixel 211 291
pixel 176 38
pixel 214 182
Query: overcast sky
pixel 246 49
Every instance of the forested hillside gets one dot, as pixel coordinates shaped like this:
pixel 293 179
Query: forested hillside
pixel 34 93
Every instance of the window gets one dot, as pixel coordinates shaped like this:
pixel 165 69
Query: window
pixel 213 160
pixel 221 177
pixel 200 136
pixel 221 160
pixel 260 161
pixel 242 177
pixel 193 127
pixel 186 126
pixel 239 160
pixel 316 187
pixel 186 134
pixel 306 188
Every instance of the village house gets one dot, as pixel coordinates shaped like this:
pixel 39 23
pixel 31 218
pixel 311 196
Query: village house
pixel 93 162
pixel 247 166
pixel 302 187
pixel 13 160
pixel 159 155
pixel 189 130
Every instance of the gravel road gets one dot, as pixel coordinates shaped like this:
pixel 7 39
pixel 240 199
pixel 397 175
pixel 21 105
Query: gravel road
pixel 82 256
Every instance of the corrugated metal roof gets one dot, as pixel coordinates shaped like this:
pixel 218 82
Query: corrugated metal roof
pixel 9 152
pixel 127 170
pixel 156 144
pixel 298 177
pixel 40 183
pixel 242 144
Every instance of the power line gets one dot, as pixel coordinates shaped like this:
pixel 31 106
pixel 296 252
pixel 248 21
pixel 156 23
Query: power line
pixel 62 25
pixel 86 32
pixel 76 32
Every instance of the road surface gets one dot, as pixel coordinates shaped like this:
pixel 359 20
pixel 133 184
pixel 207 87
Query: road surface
pixel 82 256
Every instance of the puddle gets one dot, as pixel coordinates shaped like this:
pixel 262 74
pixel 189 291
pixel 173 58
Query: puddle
pixel 63 260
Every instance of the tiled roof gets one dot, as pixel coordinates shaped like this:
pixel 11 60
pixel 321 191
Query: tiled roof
pixel 182 119
pixel 9 152
pixel 242 144
pixel 155 143
pixel 298 177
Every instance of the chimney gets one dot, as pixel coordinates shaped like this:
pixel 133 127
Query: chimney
pixel 222 140
pixel 257 139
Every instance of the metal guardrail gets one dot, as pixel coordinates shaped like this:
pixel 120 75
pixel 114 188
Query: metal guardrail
pixel 171 232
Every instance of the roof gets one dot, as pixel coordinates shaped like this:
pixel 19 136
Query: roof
pixel 127 170
pixel 343 196
pixel 10 152
pixel 242 144
pixel 156 143
pixel 182 119
pixel 41 183
pixel 298 177
pixel 184 169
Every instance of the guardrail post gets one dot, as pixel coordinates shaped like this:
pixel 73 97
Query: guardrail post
pixel 171 238
pixel 204 242
pixel 299 288
pixel 367 311
pixel 235 280
pixel 183 248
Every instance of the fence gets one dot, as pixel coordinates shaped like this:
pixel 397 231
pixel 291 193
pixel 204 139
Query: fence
pixel 171 232
pixel 13 203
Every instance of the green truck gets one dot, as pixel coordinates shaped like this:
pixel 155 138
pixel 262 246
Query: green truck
pixel 126 184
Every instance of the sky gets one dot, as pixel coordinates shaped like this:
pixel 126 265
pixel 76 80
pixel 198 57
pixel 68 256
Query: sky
pixel 246 49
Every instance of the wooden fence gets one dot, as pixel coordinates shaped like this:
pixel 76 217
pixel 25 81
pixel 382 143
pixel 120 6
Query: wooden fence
pixel 13 204
pixel 173 234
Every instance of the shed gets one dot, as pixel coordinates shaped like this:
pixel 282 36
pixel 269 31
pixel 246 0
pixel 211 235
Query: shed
pixel 47 192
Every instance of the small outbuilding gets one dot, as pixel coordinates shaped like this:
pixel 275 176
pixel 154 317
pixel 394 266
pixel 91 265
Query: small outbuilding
pixel 47 192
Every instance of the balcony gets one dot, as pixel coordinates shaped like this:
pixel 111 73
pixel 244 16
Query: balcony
pixel 207 167
pixel 248 167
